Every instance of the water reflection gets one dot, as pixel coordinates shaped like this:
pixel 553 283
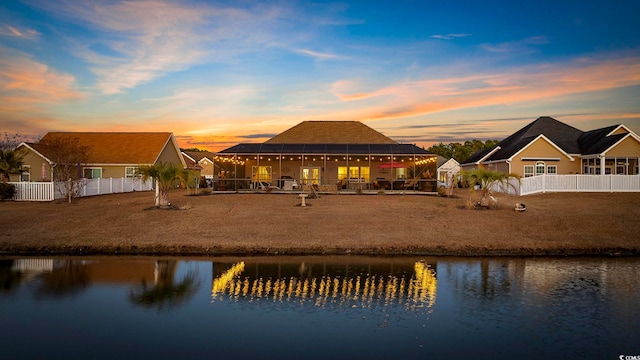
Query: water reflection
pixel 341 307
pixel 345 289
pixel 164 293
pixel 154 281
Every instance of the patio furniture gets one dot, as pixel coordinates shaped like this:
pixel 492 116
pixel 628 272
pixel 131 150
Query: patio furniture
pixel 381 184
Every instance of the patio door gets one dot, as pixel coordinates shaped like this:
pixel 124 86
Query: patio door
pixel 261 175
pixel 310 175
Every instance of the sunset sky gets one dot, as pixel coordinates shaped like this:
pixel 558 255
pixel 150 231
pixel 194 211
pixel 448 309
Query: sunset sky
pixel 217 73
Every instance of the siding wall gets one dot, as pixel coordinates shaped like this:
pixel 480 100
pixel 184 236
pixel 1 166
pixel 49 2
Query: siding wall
pixel 542 149
pixel 628 147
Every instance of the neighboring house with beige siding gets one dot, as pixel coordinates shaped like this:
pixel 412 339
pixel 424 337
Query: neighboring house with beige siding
pixel 201 161
pixel 110 154
pixel 548 146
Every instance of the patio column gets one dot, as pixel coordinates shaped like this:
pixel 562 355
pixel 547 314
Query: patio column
pixel 601 157
pixel 323 173
pixel 235 171
pixel 280 181
pixel 370 185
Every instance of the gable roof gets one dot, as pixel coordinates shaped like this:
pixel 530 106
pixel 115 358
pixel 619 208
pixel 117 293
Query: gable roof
pixel 599 140
pixel 448 164
pixel 479 155
pixel 330 132
pixel 191 164
pixel 566 138
pixel 199 155
pixel 116 147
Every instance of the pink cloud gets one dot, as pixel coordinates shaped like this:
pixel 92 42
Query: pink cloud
pixel 409 99
pixel 14 31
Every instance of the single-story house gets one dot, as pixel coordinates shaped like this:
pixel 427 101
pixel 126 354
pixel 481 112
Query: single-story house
pixel 109 154
pixel 548 146
pixel 330 155
pixel 202 161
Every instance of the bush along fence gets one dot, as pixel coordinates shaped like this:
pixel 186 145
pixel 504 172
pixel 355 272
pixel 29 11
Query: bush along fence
pixel 48 191
pixel 571 183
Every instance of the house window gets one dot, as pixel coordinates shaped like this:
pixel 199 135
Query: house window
pixel 355 172
pixel 540 168
pixel 364 173
pixel 528 171
pixel 92 173
pixel 262 173
pixel 342 172
pixel 25 173
pixel 310 175
pixel 131 172
pixel 401 173
pixel 552 169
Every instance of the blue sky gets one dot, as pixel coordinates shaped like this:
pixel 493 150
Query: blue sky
pixel 217 73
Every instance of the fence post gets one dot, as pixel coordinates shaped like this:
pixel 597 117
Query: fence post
pixel 611 183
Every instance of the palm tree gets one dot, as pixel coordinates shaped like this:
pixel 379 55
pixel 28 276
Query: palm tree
pixel 190 179
pixel 487 179
pixel 165 176
pixel 10 163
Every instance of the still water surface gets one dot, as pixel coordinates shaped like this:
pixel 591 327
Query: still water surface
pixel 320 307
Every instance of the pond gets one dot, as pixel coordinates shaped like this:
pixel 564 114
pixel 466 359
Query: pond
pixel 320 307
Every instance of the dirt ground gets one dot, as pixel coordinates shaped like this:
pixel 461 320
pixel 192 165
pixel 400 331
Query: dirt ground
pixel 248 224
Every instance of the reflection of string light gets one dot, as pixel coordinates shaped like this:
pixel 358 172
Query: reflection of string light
pixel 419 291
pixel 221 283
pixel 426 282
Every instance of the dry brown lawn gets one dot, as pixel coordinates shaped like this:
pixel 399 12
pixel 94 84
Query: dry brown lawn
pixel 553 224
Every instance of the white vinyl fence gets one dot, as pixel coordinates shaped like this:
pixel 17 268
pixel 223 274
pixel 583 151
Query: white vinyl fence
pixel 48 191
pixel 117 185
pixel 34 191
pixel 571 183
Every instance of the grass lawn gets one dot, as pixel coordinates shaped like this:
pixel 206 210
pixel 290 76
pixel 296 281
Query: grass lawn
pixel 553 224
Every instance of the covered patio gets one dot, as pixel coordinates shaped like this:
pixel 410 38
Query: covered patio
pixel 358 168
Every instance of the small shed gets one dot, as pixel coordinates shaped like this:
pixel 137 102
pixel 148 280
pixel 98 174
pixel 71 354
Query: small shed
pixel 448 166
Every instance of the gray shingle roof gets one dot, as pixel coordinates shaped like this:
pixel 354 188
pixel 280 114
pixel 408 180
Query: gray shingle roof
pixel 567 138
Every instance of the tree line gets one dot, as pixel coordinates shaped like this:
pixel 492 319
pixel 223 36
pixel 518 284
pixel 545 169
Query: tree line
pixel 460 152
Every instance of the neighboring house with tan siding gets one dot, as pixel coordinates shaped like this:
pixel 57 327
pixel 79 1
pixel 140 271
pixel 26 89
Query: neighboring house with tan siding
pixel 202 161
pixel 110 155
pixel 548 146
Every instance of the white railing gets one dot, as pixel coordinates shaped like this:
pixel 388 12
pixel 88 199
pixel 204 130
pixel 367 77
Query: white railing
pixel 48 191
pixel 571 183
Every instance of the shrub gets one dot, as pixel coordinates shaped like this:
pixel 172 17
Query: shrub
pixel 7 191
